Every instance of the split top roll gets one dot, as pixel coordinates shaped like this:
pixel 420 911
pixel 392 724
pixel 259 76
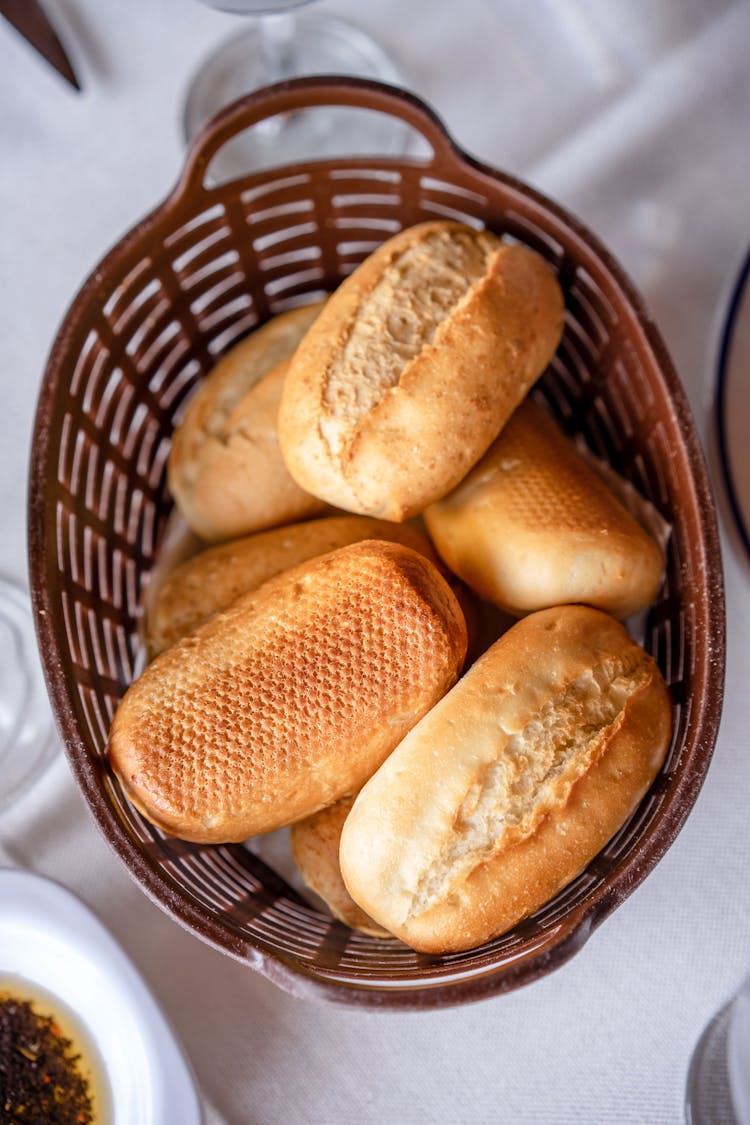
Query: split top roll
pixel 414 365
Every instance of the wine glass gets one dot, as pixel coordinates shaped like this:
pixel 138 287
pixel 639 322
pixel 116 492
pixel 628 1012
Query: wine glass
pixel 283 43
pixel 27 735
pixel 718 1083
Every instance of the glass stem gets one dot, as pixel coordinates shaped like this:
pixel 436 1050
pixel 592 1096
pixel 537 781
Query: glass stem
pixel 277 38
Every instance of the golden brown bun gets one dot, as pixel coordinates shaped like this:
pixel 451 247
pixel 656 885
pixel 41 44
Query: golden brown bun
pixel 532 525
pixel 213 579
pixel 290 698
pixel 414 365
pixel 504 792
pixel 315 847
pixel 225 469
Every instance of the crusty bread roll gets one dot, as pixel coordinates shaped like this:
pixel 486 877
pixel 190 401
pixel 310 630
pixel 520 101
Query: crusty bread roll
pixel 315 847
pixel 511 784
pixel 290 698
pixel 533 525
pixel 225 469
pixel 414 365
pixel 212 580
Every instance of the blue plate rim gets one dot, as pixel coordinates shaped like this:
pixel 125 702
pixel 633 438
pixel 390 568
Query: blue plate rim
pixel 722 372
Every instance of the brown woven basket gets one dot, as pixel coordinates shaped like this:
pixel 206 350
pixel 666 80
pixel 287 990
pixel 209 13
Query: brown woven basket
pixel 202 270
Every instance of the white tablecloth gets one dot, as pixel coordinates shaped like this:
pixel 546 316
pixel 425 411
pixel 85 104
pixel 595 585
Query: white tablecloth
pixel 635 116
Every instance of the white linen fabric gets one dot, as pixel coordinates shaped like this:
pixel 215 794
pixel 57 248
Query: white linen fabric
pixel 635 116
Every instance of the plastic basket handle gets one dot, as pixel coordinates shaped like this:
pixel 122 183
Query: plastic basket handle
pixel 307 93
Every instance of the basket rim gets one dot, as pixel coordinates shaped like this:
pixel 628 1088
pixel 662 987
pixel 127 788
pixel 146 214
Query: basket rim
pixel 629 871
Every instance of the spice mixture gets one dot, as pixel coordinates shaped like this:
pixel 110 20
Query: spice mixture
pixel 40 1079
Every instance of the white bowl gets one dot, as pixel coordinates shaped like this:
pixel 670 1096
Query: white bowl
pixel 54 942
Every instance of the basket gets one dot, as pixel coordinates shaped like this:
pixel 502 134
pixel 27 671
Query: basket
pixel 203 269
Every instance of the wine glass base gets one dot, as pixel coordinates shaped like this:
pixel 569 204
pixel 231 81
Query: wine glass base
pixel 708 1097
pixel 28 742
pixel 322 45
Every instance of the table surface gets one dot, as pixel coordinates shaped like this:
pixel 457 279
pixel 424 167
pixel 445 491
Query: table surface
pixel 634 116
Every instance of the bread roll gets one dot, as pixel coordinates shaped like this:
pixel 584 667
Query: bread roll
pixel 213 579
pixel 290 698
pixel 414 365
pixel 533 525
pixel 225 469
pixel 511 784
pixel 315 847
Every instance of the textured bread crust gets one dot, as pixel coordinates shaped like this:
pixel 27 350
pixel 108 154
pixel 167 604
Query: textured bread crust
pixel 290 698
pixel 504 792
pixel 533 525
pixel 315 847
pixel 225 469
pixel 413 367
pixel 211 581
